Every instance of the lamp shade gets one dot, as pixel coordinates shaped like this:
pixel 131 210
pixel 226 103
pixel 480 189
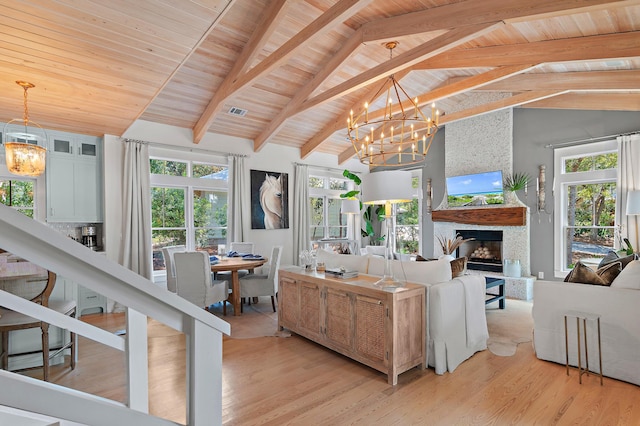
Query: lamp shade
pixel 350 206
pixel 633 202
pixel 393 186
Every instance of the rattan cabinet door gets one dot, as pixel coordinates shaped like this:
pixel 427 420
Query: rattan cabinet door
pixel 370 329
pixel 309 323
pixel 289 305
pixel 339 318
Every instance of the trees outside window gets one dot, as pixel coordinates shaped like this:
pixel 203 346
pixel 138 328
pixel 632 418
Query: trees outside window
pixel 409 220
pixel 586 208
pixel 324 196
pixel 188 206
pixel 19 194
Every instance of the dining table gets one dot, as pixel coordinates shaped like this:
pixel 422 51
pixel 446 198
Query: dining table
pixel 233 265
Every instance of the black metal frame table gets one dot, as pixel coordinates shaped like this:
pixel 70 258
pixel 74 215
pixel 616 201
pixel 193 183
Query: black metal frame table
pixel 491 282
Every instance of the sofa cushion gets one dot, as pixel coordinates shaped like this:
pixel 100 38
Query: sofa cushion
pixel 348 261
pixel 417 272
pixel 629 277
pixel 582 274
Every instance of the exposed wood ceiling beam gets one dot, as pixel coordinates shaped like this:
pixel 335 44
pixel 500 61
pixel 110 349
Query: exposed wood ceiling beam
pixel 598 47
pixel 591 101
pixel 292 107
pixel 335 15
pixel 433 47
pixel 577 80
pixel 259 37
pixel 473 12
pixel 159 90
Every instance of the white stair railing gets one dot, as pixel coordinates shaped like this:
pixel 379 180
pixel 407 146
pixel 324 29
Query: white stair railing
pixel 51 250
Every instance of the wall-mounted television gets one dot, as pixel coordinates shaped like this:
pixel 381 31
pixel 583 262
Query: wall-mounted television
pixel 475 189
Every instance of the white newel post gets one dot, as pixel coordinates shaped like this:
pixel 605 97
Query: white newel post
pixel 137 361
pixel 204 375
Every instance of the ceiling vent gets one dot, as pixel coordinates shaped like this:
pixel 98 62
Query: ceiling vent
pixel 238 111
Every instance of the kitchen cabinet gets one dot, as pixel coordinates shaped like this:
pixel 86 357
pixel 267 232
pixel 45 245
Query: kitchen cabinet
pixel 381 328
pixel 74 179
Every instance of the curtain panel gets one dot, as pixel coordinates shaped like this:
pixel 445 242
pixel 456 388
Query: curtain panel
pixel 301 210
pixel 628 180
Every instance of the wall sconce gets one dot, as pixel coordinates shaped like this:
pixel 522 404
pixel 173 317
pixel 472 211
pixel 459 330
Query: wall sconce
pixel 429 197
pixel 541 199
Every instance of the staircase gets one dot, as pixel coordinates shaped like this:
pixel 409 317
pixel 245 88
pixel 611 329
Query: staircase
pixel 55 404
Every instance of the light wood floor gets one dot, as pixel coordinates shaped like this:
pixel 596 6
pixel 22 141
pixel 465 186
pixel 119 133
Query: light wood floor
pixel 276 381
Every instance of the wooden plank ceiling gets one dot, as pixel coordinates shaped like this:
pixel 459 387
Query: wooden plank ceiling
pixel 297 67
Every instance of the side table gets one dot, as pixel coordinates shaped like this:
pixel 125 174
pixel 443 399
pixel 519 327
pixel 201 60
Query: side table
pixel 500 297
pixel 584 316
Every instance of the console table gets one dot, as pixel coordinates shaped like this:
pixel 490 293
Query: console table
pixel 381 328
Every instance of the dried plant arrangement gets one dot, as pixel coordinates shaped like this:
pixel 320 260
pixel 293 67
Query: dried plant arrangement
pixel 449 246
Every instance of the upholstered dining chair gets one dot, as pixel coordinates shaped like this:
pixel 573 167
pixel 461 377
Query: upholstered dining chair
pixel 243 247
pixel 167 254
pixel 194 283
pixel 255 285
pixel 37 290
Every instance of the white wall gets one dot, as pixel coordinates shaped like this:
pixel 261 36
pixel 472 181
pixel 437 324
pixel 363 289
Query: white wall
pixel 272 157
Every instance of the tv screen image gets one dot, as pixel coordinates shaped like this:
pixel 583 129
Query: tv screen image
pixel 475 189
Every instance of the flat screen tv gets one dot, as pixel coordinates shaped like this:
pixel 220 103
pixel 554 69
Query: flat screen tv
pixel 475 190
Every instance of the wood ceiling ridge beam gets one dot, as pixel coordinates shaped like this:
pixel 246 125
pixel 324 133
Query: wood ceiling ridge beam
pixel 315 142
pixel 293 107
pixel 201 40
pixel 572 80
pixel 257 40
pixel 475 12
pixel 440 44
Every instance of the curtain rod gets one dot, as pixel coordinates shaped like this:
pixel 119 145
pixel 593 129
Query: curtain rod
pixel 589 140
pixel 184 148
pixel 330 169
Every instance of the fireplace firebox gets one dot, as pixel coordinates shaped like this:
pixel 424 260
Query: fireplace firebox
pixel 484 252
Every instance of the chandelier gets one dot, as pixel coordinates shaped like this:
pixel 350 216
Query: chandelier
pixel 400 131
pixel 24 154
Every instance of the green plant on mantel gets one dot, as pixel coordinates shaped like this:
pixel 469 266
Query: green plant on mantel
pixel 367 212
pixel 516 181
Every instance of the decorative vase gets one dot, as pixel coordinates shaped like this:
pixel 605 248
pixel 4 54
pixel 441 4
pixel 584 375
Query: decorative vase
pixel 449 257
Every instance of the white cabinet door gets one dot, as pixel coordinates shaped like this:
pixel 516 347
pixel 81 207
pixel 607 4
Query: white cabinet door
pixel 60 189
pixel 88 205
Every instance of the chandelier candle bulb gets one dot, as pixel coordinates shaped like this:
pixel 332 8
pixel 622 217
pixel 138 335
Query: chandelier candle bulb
pixel 391 140
pixel 366 112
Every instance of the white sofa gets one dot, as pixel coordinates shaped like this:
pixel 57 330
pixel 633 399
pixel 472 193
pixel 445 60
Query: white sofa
pixel 620 329
pixel 456 322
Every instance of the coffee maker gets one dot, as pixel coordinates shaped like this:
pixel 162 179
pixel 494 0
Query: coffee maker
pixel 89 237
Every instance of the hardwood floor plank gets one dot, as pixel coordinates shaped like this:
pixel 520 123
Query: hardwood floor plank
pixel 275 381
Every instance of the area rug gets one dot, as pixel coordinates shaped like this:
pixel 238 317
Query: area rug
pixel 257 320
pixel 509 327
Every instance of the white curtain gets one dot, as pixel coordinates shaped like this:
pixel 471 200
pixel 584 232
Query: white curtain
pixel 301 210
pixel 238 205
pixel 136 241
pixel 628 180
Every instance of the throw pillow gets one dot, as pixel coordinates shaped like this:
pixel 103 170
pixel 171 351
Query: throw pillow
pixel 582 274
pixel 609 272
pixel 458 266
pixel 629 277
pixel 609 258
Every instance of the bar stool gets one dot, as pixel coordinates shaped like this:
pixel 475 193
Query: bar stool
pixel 584 317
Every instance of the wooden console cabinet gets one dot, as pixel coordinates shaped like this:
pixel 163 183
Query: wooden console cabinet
pixel 384 329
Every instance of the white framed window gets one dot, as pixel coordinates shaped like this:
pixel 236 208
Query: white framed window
pixel 19 194
pixel 188 205
pixel 408 223
pixel 325 188
pixel 585 204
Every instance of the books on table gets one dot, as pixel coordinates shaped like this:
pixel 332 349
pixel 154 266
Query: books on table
pixel 340 273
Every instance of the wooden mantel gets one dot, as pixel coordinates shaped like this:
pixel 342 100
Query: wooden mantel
pixel 487 216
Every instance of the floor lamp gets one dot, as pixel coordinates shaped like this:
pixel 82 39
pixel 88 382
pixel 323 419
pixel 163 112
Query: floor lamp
pixel 351 207
pixel 633 208
pixel 387 187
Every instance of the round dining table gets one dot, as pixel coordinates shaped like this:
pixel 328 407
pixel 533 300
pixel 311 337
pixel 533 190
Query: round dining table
pixel 233 265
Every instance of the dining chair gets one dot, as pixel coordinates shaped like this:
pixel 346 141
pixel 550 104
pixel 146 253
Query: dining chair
pixel 239 247
pixel 167 253
pixel 194 283
pixel 38 291
pixel 255 285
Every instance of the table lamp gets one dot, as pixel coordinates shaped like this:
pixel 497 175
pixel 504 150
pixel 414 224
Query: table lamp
pixel 387 187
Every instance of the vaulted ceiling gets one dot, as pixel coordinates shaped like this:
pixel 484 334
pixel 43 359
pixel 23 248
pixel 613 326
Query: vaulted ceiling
pixel 297 67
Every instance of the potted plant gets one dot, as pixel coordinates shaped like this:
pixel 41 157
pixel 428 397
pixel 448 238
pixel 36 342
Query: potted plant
pixel 368 212
pixel 449 246
pixel 515 182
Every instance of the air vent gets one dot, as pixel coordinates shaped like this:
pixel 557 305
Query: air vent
pixel 238 111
